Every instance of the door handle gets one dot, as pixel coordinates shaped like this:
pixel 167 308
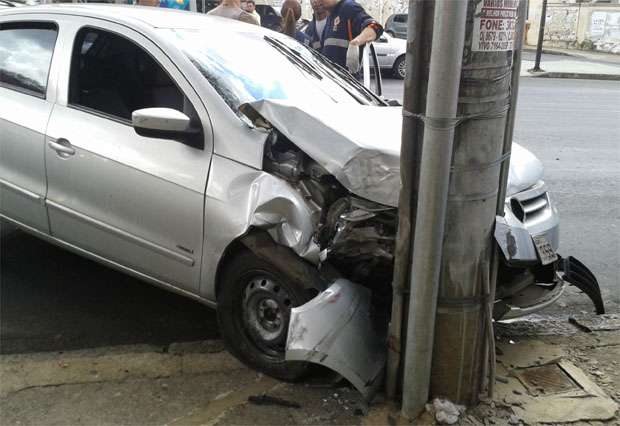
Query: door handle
pixel 62 147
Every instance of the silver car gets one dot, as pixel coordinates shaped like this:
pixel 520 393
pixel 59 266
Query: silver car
pixel 391 54
pixel 232 165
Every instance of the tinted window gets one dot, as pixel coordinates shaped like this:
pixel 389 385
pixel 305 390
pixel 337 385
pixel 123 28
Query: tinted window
pixel 25 55
pixel 114 76
pixel 400 18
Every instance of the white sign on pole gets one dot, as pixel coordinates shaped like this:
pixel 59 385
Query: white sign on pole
pixel 597 25
pixel 494 25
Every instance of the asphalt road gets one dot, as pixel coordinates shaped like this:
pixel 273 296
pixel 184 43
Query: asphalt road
pixel 52 300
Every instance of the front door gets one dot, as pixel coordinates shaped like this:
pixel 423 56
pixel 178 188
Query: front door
pixel 134 200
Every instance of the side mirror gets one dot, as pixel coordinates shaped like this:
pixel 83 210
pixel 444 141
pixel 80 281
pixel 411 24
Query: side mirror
pixel 167 123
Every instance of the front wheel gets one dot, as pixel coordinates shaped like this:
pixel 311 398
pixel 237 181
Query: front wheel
pixel 400 67
pixel 254 307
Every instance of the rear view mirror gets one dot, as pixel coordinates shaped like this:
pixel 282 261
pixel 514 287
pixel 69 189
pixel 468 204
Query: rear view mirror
pixel 167 123
pixel 160 122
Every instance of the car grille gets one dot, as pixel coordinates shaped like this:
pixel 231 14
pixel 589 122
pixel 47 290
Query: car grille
pixel 527 210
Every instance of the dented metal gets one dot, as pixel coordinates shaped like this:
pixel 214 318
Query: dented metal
pixel 336 330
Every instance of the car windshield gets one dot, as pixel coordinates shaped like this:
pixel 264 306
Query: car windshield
pixel 248 67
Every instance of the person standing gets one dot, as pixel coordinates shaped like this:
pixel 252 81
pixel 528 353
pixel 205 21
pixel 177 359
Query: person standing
pixel 291 12
pixel 347 24
pixel 250 7
pixel 232 9
pixel 315 28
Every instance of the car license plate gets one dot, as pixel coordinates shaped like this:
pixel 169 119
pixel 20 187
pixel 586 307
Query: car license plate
pixel 545 251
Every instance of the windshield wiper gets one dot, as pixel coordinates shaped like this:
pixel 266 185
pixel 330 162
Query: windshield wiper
pixel 293 56
pixel 346 75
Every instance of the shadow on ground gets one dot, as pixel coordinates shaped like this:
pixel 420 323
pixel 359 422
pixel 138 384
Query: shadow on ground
pixel 53 300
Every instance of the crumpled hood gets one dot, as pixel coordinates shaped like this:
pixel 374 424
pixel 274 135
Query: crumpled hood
pixel 360 145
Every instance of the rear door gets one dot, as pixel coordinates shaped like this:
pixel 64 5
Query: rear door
pixel 26 50
pixel 134 200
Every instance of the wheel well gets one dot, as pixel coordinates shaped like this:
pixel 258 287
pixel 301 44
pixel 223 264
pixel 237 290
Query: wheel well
pixel 261 244
pixel 233 249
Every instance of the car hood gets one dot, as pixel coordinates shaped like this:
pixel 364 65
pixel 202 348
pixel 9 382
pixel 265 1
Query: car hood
pixel 360 145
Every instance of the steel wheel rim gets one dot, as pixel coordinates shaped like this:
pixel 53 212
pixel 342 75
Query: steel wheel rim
pixel 266 307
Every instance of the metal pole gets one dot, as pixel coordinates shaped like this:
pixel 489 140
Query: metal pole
pixel 462 322
pixel 541 37
pixel 419 33
pixel 441 104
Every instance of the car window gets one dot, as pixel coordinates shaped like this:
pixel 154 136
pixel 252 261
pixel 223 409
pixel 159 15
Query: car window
pixel 400 18
pixel 114 76
pixel 26 51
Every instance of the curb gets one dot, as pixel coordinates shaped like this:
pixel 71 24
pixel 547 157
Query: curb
pixel 576 76
pixel 548 51
pixel 589 55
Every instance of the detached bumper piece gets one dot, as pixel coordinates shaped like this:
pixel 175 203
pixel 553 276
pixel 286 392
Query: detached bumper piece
pixel 577 274
pixel 335 329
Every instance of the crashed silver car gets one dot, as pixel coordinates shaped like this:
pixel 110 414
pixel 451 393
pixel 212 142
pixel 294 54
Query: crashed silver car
pixel 232 165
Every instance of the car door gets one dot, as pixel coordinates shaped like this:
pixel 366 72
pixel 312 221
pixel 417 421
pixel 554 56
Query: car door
pixel 133 200
pixel 26 50
pixel 383 49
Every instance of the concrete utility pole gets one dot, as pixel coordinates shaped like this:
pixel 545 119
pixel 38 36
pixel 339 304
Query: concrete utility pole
pixel 441 103
pixel 452 278
pixel 541 37
pixel 464 323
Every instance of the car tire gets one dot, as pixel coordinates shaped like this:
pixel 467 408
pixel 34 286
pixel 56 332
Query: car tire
pixel 253 312
pixel 400 67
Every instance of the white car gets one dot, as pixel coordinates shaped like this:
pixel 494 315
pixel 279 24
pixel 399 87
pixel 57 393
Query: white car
pixel 391 54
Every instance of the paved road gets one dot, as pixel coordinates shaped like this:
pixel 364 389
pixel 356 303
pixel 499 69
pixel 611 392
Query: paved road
pixel 54 300
pixel 573 126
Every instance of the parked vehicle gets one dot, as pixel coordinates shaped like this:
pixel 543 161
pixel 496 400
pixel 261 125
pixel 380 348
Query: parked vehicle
pixel 391 54
pixel 396 25
pixel 232 165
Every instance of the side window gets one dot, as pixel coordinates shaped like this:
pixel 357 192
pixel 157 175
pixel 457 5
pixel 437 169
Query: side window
pixel 114 76
pixel 400 19
pixel 26 50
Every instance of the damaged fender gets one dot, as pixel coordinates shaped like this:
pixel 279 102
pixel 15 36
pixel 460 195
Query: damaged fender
pixel 335 329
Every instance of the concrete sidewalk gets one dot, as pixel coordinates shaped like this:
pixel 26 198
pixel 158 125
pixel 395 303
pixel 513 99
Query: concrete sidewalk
pixel 565 63
pixel 549 370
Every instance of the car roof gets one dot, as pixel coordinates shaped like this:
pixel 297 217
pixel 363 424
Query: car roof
pixel 143 16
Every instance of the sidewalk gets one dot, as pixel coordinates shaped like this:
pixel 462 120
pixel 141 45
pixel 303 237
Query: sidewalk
pixel 566 63
pixel 548 369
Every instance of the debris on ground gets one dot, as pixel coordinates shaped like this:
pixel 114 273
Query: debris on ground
pixel 445 412
pixel 272 400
